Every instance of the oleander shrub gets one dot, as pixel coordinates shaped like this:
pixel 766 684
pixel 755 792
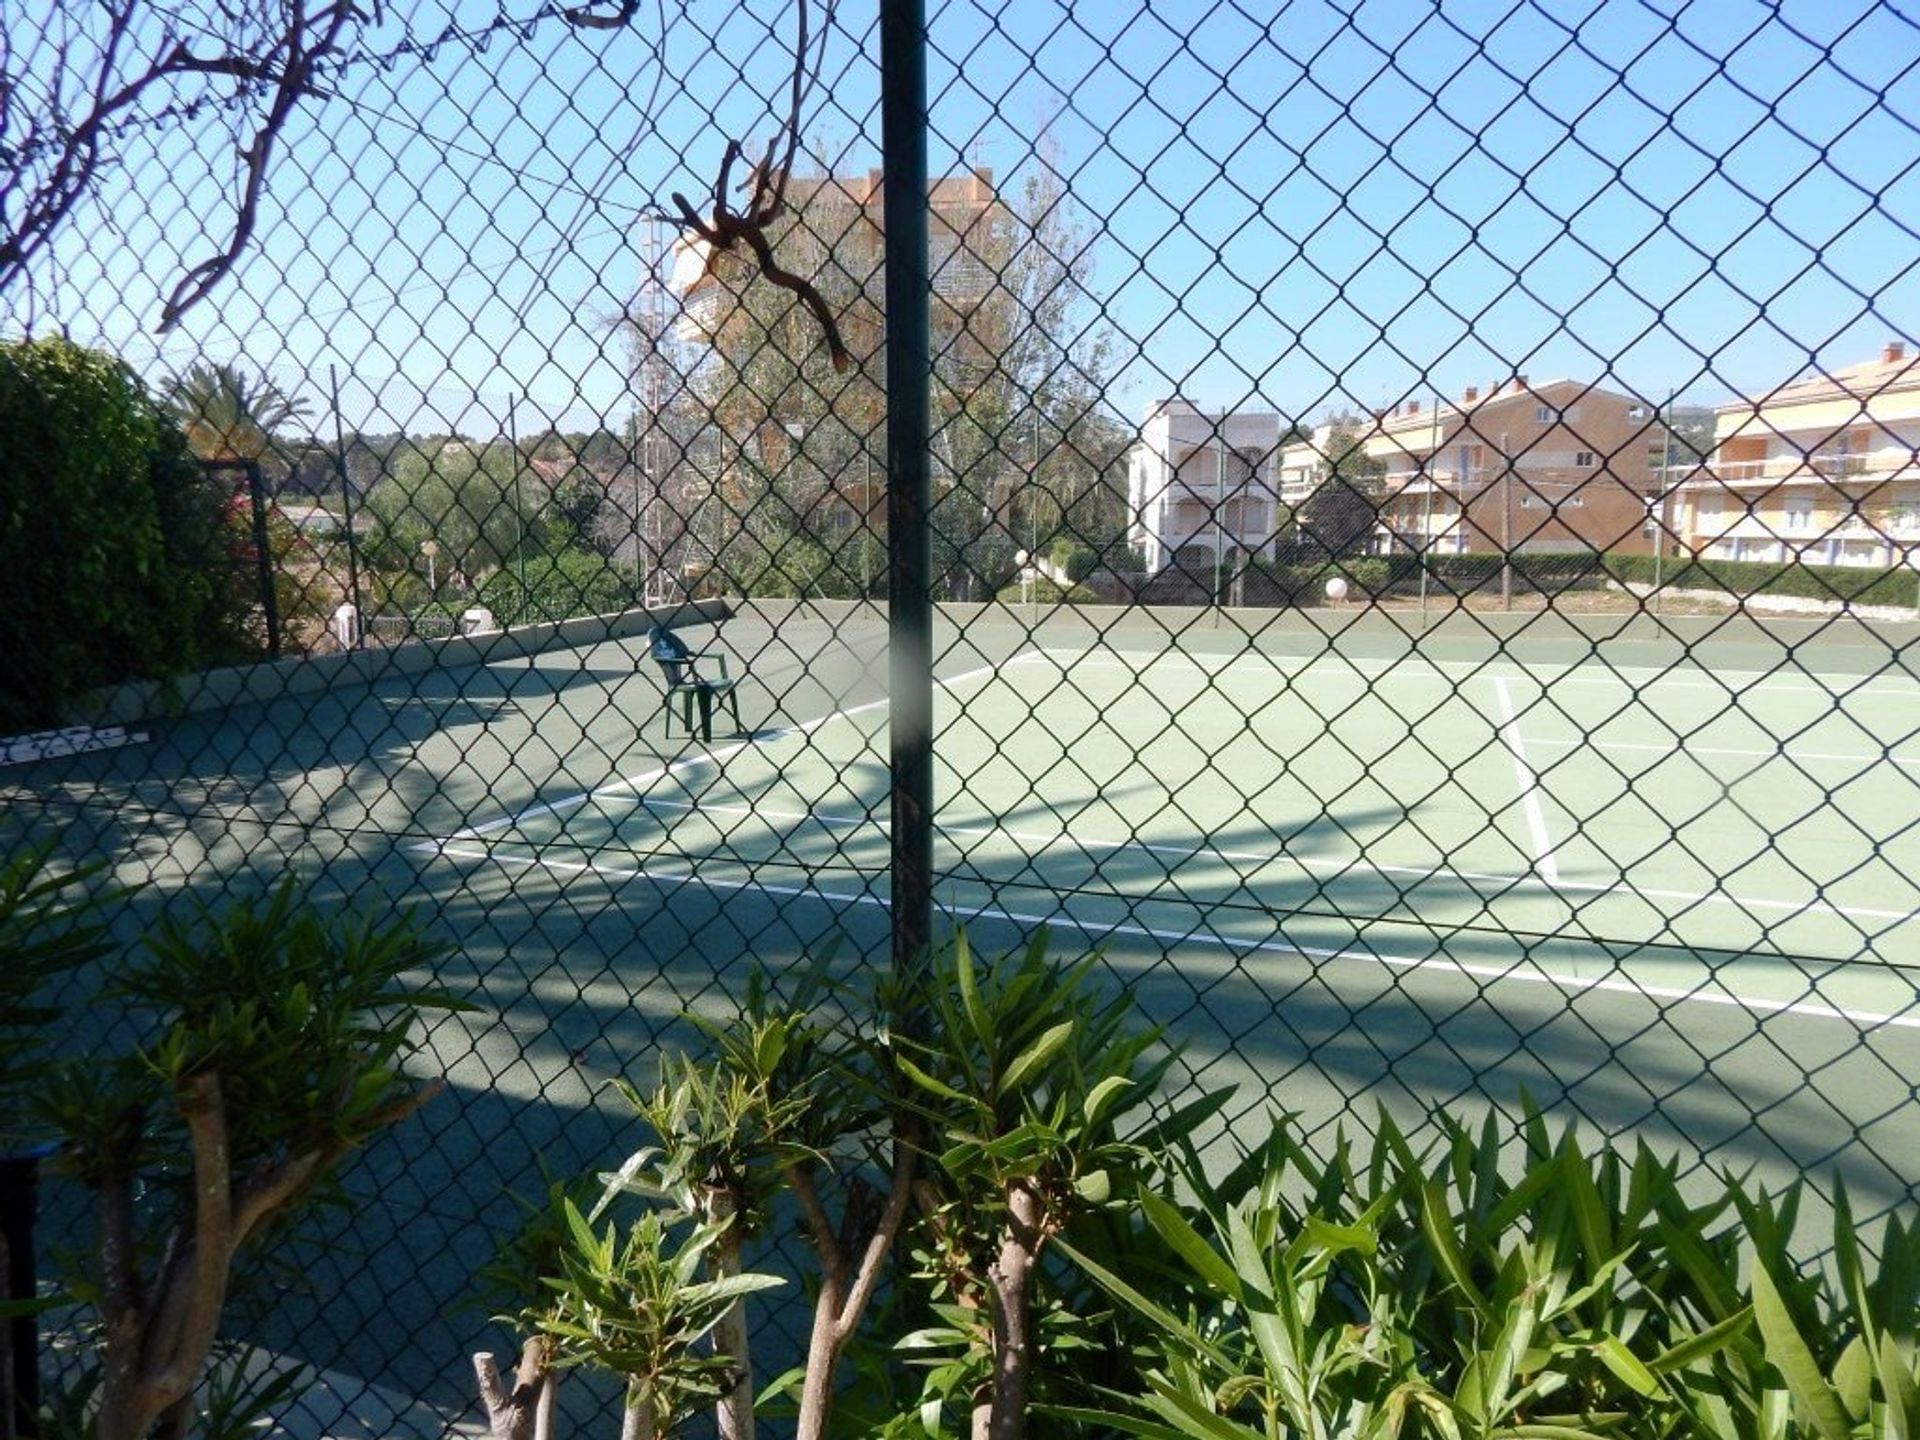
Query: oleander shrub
pixel 117 552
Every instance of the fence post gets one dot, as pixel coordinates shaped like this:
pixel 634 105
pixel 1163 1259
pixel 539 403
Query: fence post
pixel 346 506
pixel 19 1176
pixel 909 354
pixel 263 555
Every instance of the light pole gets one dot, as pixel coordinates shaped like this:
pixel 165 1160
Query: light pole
pixel 1660 501
pixel 1033 523
pixel 1219 504
pixel 431 548
pixel 1506 526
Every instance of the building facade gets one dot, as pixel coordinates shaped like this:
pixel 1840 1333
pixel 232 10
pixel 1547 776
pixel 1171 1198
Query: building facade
pixel 1203 488
pixel 1823 470
pixel 1560 467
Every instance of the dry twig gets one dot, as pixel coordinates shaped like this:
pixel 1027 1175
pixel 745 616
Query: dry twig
pixel 724 228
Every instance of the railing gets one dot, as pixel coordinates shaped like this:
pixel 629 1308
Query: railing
pixel 1879 463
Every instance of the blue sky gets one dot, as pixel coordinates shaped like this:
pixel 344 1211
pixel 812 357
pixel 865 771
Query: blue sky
pixel 1293 206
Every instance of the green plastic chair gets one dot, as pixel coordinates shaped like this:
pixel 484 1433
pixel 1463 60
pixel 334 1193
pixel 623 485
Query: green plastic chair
pixel 687 687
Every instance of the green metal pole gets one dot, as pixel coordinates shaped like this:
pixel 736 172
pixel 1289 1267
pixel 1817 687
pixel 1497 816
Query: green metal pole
pixel 519 514
pixel 909 354
pixel 1660 506
pixel 263 554
pixel 346 506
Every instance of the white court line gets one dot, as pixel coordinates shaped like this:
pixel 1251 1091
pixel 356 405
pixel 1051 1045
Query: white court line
pixel 1172 939
pixel 1544 862
pixel 1564 673
pixel 633 783
pixel 1730 752
pixel 1335 868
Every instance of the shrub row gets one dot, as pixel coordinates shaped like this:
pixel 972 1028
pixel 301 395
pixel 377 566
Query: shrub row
pixel 119 558
pixel 1858 585
pixel 1046 592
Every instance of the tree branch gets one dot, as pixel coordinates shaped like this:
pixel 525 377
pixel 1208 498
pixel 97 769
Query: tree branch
pixel 525 1412
pixel 192 1290
pixel 286 61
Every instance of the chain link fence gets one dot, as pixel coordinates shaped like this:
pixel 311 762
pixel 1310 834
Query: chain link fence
pixel 1424 508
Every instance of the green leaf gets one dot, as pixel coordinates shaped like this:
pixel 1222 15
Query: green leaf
pixel 1192 1418
pixel 1191 1246
pixel 1094 1108
pixel 1853 1378
pixel 927 1082
pixel 1626 1366
pixel 1035 1056
pixel 1153 1311
pixel 1714 1338
pixel 1437 1223
pixel 968 986
pixel 1902 1392
pixel 1095 1187
pixel 730 1288
pixel 1788 1351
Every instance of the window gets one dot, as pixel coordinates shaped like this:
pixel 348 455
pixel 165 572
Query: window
pixel 1799 514
pixel 1544 414
pixel 1583 459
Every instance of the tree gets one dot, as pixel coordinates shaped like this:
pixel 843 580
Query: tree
pixel 1338 518
pixel 1021 446
pixel 229 416
pixel 116 558
pixel 476 504
pixel 1689 435
pixel 270 1046
pixel 75 73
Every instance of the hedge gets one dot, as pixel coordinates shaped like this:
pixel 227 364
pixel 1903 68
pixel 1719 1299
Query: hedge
pixel 119 558
pixel 1538 570
pixel 1046 592
pixel 1079 561
pixel 1853 584
pixel 558 587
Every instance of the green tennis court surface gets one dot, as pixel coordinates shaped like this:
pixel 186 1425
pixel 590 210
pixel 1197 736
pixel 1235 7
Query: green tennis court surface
pixel 1690 837
pixel 1671 898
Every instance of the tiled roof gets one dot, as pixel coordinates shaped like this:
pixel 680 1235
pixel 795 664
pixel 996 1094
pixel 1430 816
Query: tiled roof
pixel 1892 369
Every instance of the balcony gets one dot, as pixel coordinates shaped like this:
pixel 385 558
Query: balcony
pixel 1880 465
pixel 1898 526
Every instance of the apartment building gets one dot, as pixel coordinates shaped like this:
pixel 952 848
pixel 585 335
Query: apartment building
pixel 1825 470
pixel 841 222
pixel 1561 466
pixel 1203 485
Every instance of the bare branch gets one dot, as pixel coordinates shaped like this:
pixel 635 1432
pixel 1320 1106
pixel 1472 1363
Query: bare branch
pixel 521 1413
pixel 62 157
pixel 584 17
pixel 726 228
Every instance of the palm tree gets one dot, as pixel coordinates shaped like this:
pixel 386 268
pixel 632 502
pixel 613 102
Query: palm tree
pixel 231 416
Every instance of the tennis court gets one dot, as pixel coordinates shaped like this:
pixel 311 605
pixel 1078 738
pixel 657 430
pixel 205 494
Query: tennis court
pixel 1670 832
pixel 1345 871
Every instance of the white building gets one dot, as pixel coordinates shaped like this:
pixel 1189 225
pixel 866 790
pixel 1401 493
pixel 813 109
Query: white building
pixel 1203 483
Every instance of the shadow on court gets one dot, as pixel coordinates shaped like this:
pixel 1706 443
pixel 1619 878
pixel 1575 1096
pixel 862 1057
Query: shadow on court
pixel 1319 987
